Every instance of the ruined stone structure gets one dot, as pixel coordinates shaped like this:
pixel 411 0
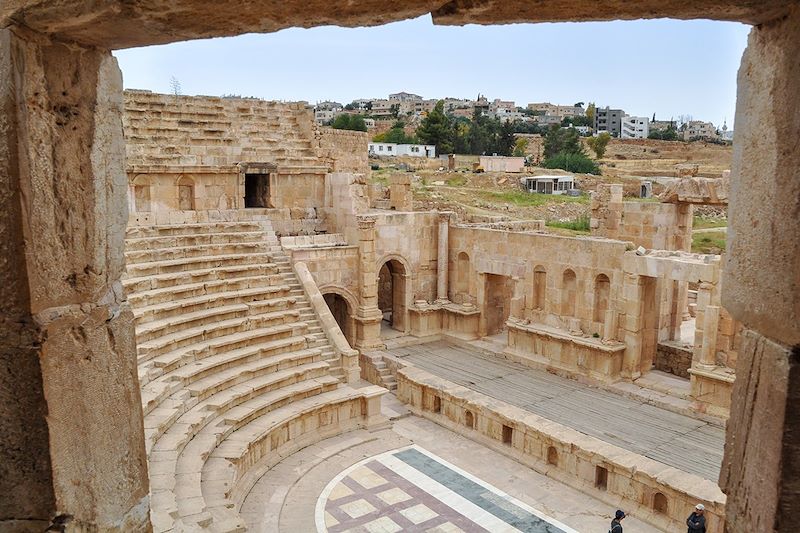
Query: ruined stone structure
pixel 75 440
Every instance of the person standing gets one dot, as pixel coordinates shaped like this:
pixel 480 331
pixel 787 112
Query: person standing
pixel 616 527
pixel 697 520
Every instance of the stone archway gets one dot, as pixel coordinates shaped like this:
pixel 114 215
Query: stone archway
pixel 392 294
pixel 342 310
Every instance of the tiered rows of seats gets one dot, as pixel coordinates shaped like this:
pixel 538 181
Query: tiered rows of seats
pixel 233 366
pixel 189 131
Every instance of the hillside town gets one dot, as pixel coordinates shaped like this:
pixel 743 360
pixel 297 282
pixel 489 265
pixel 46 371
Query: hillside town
pixel 382 114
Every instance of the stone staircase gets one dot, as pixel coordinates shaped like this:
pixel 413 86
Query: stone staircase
pixel 234 367
pixel 377 371
pixel 185 131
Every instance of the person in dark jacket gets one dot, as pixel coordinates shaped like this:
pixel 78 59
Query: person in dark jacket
pixel 616 527
pixel 697 520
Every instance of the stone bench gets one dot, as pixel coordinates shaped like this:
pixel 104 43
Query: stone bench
pixel 170 241
pixel 195 263
pixel 134 285
pixel 189 290
pixel 172 308
pixel 200 250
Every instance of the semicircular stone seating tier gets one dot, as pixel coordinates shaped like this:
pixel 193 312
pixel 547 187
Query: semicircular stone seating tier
pixel 234 368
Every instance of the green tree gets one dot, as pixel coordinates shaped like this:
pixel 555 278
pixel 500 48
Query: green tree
pixel 520 147
pixel 598 143
pixel 505 139
pixel 394 109
pixel 590 111
pixel 349 122
pixel 436 128
pixel 669 134
pixel 572 162
pixel 562 140
pixel 396 134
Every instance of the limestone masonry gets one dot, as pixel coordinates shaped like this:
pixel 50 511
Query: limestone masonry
pixel 195 288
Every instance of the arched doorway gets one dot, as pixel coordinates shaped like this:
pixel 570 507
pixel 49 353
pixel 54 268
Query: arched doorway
pixel 340 309
pixel 392 294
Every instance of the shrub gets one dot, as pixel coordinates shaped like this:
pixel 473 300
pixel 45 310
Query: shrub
pixel 572 162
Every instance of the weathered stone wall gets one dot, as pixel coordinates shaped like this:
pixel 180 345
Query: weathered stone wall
pixel 518 255
pixel 75 443
pixel 412 239
pixel 673 360
pixel 346 150
pixel 652 225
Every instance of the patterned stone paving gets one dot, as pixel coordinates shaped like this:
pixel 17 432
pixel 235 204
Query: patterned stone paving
pixel 413 490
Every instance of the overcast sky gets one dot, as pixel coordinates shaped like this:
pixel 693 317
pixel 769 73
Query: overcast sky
pixel 666 67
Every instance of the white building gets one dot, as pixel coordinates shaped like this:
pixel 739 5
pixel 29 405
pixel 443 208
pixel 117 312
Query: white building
pixel 548 184
pixel 634 127
pixel 323 116
pixel 412 150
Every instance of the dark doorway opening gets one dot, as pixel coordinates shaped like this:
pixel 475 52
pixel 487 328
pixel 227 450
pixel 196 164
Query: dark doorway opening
pixel 256 190
pixel 340 311
pixel 392 293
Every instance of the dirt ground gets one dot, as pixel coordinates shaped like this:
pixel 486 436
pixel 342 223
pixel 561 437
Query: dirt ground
pixel 496 194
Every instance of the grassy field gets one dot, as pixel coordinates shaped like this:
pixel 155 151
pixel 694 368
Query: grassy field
pixel 710 242
pixel 704 222
pixel 579 225
pixel 526 199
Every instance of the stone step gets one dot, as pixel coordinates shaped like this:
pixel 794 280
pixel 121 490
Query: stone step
pixel 190 290
pixel 199 228
pixel 186 252
pixel 161 281
pixel 251 362
pixel 163 310
pixel 225 352
pixel 305 378
pixel 177 462
pixel 193 479
pixel 173 241
pixel 170 338
pixel 240 440
pixel 195 263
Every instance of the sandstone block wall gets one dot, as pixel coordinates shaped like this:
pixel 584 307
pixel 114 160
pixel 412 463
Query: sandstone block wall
pixel 673 360
pixel 649 224
pixel 346 150
pixel 519 255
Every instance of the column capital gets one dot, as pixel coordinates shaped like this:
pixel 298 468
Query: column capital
pixel 366 221
pixel 444 217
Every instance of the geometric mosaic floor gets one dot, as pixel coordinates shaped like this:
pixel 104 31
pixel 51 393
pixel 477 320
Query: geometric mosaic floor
pixel 413 490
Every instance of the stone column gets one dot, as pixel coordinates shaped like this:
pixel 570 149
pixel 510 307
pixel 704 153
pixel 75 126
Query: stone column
pixel 704 302
pixel 368 315
pixel 761 287
pixel 518 300
pixel 480 297
pixel 442 260
pixel 72 437
pixel 632 326
pixel 708 349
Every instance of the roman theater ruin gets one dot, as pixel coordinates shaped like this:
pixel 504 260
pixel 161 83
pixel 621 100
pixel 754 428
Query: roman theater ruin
pixel 200 295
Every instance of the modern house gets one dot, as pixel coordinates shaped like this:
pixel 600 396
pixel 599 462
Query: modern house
pixel 393 149
pixel 634 127
pixel 609 120
pixel 548 184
